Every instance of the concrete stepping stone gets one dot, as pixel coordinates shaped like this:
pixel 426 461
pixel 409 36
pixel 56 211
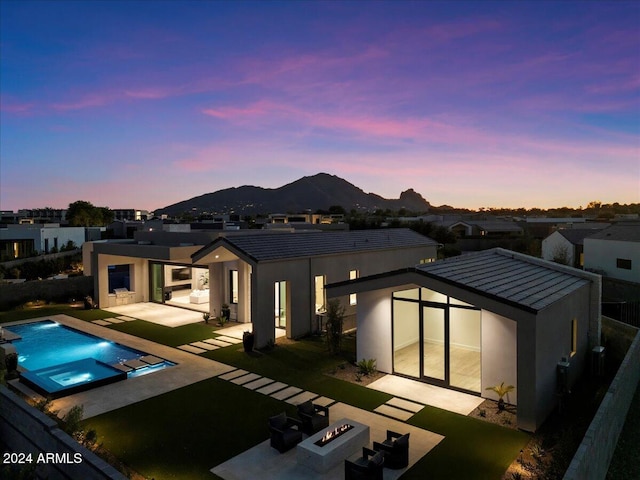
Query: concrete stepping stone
pixel 405 404
pixel 393 412
pixel 135 364
pixel 124 318
pixel 115 320
pixel 233 374
pixel 274 387
pixel 324 401
pixel 246 378
pixel 257 383
pixel 191 349
pixel 286 393
pixel 227 339
pixel 121 367
pixel 101 322
pixel 216 342
pixel 301 398
pixel 151 359
pixel 204 345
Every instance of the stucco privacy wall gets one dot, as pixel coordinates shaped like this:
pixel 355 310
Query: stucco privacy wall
pixel 28 430
pixel 594 454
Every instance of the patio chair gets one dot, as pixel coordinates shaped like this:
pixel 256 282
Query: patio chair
pixel 367 467
pixel 283 434
pixel 314 417
pixel 395 449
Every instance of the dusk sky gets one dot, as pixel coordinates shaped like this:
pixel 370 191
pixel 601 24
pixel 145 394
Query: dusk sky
pixel 481 104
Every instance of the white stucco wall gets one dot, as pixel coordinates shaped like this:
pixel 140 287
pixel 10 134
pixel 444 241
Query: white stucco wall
pixel 600 256
pixel 556 243
pixel 553 338
pixel 374 328
pixel 499 355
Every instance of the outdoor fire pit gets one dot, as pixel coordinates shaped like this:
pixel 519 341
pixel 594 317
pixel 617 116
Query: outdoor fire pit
pixel 328 448
pixel 331 435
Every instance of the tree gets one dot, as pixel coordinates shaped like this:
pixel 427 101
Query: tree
pixel 561 255
pixel 335 319
pixel 84 214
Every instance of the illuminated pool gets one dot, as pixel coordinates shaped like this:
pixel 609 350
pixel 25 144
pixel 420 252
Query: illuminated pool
pixel 58 360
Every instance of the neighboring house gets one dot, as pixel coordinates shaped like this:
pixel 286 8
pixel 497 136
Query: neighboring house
pixel 486 228
pixel 474 321
pixel 274 280
pixel 615 252
pixel 566 246
pixel 20 241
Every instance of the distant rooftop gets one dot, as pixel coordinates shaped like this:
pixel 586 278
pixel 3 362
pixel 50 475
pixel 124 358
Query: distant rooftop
pixel 577 235
pixel 622 232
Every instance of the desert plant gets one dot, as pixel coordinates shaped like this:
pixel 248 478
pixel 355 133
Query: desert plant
pixel 367 367
pixel 501 390
pixel 335 318
pixel 206 316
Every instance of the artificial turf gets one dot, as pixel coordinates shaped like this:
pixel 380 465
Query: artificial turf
pixel 184 433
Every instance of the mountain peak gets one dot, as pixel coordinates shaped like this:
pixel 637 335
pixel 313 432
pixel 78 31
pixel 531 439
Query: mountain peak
pixel 315 192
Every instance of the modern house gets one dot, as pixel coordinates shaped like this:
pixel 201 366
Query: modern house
pixel 20 241
pixel 471 322
pixel 615 252
pixel 567 246
pixel 271 279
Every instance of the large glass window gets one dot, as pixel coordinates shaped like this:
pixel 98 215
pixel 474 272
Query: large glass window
pixel 320 299
pixel 406 338
pixel 353 274
pixel 280 301
pixel 437 338
pixel 119 277
pixel 233 286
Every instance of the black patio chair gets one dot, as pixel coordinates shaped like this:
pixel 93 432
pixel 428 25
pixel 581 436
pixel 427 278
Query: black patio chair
pixel 314 417
pixel 367 467
pixel 395 449
pixel 285 432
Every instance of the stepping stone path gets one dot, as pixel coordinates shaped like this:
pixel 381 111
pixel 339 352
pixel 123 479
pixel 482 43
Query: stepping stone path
pixel 278 390
pixel 110 321
pixel 399 408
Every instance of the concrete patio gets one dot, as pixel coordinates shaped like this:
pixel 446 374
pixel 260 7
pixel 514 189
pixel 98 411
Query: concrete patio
pixel 267 463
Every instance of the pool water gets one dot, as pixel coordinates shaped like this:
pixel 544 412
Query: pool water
pixel 60 360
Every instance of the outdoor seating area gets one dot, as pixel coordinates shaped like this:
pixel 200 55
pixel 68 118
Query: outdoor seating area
pixel 320 446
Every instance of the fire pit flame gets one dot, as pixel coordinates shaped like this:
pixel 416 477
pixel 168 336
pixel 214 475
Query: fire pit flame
pixel 333 434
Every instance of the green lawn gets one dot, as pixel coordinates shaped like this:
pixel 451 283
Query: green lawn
pixel 184 433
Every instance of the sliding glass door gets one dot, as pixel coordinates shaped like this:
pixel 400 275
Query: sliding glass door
pixel 436 340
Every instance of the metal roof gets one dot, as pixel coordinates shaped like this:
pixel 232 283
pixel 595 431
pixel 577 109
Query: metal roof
pixel 577 235
pixel 508 276
pixel 276 246
pixel 629 232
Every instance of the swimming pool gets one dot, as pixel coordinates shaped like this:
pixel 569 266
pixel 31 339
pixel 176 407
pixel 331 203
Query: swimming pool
pixel 58 360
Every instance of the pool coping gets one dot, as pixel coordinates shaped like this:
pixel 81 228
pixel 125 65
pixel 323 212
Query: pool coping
pixel 189 369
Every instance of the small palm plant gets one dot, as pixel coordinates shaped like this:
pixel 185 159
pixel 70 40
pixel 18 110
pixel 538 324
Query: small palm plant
pixel 501 390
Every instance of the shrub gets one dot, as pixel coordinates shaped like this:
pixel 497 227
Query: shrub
pixel 72 420
pixel 335 319
pixel 367 367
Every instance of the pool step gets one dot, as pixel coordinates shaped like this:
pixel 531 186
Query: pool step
pixel 137 363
